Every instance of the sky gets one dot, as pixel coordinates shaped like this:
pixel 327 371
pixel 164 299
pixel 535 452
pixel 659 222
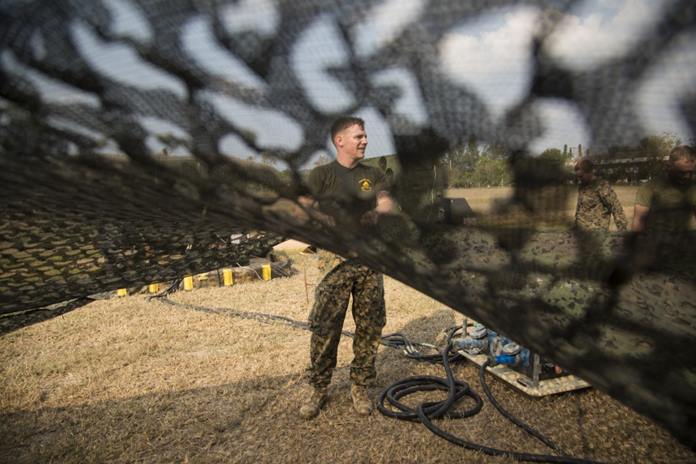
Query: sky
pixel 488 55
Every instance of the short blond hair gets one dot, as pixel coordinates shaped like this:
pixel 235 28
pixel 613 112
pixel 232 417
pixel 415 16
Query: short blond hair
pixel 344 122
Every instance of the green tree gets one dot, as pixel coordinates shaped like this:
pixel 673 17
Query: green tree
pixel 555 155
pixel 495 150
pixel 491 172
pixel 465 158
pixel 473 166
pixel 656 148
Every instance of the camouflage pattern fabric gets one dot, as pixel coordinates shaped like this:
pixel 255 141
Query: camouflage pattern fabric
pixel 327 316
pixel 88 206
pixel 597 203
pixel 328 260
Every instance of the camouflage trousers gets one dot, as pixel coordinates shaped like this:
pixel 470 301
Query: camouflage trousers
pixel 327 316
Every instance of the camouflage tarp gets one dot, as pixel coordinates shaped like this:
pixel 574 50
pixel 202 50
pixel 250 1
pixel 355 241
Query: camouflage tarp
pixel 620 311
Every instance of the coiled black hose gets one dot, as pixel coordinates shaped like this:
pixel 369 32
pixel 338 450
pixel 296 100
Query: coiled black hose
pixel 425 412
pixel 456 390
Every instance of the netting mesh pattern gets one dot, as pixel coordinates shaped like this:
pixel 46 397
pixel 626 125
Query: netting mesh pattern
pixel 87 207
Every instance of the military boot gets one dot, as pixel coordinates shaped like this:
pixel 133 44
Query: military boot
pixel 312 403
pixel 361 400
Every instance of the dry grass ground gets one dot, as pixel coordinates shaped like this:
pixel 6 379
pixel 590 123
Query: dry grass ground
pixel 132 380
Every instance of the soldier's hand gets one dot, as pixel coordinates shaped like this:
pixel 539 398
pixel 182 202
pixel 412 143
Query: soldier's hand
pixel 287 210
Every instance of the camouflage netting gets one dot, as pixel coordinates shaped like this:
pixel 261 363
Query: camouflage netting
pixel 620 311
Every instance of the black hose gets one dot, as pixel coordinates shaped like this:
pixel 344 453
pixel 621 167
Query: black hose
pixel 427 411
pixel 535 433
pixel 171 289
pixel 395 340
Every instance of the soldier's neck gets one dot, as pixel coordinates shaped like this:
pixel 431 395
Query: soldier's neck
pixel 348 163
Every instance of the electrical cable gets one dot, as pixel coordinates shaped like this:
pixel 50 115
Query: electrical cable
pixel 169 290
pixel 395 340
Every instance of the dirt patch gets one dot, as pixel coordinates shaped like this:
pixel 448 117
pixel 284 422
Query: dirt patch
pixel 129 380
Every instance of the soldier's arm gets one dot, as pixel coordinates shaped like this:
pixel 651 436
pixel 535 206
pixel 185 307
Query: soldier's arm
pixel 306 208
pixel 640 212
pixel 616 209
pixel 297 213
pixel 310 203
pixel 385 202
pixel 641 208
pixel 311 209
pixel 307 201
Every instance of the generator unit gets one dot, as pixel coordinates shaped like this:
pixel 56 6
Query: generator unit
pixel 513 363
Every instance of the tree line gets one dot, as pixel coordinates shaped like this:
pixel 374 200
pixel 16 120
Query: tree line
pixel 486 165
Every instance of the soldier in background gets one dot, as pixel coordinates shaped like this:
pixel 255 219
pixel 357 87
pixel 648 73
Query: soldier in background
pixel 668 204
pixel 597 201
pixel 346 192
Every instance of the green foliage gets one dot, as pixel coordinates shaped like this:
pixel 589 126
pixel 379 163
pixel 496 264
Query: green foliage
pixel 554 155
pixel 653 147
pixel 490 172
pixel 486 172
pixel 658 146
pixel 477 165
pixel 496 151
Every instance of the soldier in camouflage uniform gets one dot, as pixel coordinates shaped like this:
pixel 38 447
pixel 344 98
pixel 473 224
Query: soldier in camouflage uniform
pixel 597 201
pixel 346 186
pixel 664 213
pixel 667 204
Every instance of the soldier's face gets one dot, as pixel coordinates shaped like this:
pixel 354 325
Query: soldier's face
pixel 583 176
pixel 682 171
pixel 352 141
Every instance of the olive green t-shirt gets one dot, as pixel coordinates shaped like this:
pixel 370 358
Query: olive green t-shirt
pixel 353 190
pixel 671 206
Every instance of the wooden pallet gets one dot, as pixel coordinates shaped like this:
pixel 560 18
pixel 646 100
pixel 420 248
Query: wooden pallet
pixel 545 387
